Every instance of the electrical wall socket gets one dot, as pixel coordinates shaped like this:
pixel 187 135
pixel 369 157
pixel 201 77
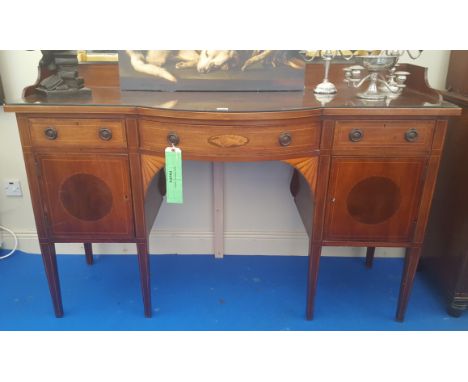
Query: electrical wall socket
pixel 12 187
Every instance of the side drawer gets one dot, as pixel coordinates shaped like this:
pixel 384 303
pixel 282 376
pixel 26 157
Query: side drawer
pixel 90 133
pixel 409 134
pixel 239 142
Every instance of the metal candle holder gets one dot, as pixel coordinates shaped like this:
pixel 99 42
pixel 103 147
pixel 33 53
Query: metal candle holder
pixel 326 87
pixel 380 87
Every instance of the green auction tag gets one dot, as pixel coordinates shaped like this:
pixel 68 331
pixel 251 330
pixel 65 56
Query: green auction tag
pixel 174 189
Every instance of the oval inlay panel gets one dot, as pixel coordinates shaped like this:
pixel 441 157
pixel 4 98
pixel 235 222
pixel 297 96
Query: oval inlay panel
pixel 374 200
pixel 228 140
pixel 86 197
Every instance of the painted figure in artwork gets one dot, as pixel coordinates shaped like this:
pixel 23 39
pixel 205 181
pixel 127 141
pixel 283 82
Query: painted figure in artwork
pixel 155 62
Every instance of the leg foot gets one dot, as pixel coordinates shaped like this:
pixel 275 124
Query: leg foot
pixel 88 253
pixel 143 262
pixel 411 263
pixel 421 266
pixel 50 265
pixel 314 261
pixel 370 256
pixel 456 310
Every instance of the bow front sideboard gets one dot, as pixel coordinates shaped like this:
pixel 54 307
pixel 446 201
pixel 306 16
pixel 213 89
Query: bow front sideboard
pixel 364 173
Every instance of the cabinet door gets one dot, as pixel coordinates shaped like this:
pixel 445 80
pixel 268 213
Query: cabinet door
pixel 87 195
pixel 373 199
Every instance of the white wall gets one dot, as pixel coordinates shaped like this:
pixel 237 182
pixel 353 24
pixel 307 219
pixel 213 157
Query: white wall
pixel 437 61
pixel 260 216
pixel 17 69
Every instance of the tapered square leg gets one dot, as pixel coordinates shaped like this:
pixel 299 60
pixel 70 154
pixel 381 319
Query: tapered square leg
pixel 50 265
pixel 143 262
pixel 314 261
pixel 89 253
pixel 370 256
pixel 411 264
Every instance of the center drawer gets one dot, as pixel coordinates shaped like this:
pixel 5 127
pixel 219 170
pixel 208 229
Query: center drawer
pixel 239 142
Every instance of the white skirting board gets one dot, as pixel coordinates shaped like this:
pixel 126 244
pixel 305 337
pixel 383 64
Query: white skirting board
pixel 236 243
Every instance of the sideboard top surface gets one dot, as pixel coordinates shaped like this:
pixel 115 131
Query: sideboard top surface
pixel 417 99
pixel 118 101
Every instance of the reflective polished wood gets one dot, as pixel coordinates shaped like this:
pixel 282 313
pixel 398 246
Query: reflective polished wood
pixel 364 171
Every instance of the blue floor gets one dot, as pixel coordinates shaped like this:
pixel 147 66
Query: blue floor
pixel 201 293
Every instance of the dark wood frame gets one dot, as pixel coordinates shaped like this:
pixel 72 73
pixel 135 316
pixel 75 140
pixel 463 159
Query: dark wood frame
pixel 445 250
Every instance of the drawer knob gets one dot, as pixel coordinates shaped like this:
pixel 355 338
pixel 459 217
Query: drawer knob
pixel 356 135
pixel 411 135
pixel 173 139
pixel 285 139
pixel 51 133
pixel 105 134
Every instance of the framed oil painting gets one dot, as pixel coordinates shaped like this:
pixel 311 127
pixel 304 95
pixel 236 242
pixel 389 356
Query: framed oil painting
pixel 211 70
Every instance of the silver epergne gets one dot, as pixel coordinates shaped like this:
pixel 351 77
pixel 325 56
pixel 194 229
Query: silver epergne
pixel 385 81
pixel 380 87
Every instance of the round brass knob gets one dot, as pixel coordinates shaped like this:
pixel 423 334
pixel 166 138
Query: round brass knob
pixel 105 134
pixel 411 135
pixel 285 139
pixel 173 139
pixel 51 133
pixel 356 135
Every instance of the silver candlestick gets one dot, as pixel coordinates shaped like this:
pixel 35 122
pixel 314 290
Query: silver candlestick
pixel 326 87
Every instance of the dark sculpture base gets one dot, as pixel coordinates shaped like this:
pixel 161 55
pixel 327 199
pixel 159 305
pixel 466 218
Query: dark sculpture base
pixel 83 92
pixel 59 76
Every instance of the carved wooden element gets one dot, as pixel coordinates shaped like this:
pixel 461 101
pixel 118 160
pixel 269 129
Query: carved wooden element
pixel 150 166
pixel 307 167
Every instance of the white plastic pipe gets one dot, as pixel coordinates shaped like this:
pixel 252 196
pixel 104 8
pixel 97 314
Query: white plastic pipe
pixel 14 247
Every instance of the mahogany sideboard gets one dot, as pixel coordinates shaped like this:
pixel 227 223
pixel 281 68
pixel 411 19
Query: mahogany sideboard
pixel 364 171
